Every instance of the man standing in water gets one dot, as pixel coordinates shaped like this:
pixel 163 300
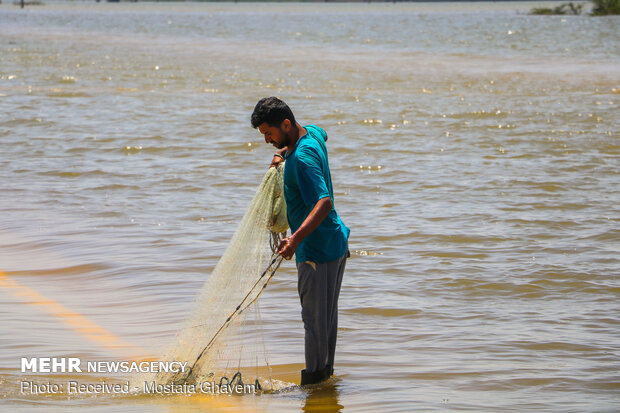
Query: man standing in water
pixel 319 238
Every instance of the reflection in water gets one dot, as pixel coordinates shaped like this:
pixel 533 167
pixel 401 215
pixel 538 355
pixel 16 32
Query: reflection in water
pixel 475 161
pixel 323 398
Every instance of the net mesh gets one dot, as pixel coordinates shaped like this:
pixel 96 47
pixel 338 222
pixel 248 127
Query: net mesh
pixel 222 341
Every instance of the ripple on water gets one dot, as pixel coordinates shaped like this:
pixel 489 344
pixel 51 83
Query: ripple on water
pixel 36 121
pixel 483 216
pixel 74 174
pixel 75 270
pixel 64 93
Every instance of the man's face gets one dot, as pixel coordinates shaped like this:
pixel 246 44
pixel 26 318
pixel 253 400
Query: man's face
pixel 277 136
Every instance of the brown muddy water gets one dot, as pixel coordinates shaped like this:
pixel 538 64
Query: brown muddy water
pixel 475 154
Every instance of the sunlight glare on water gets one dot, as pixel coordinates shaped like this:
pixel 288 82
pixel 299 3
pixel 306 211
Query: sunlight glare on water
pixel 474 154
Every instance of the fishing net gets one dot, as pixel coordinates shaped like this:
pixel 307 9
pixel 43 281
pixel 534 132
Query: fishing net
pixel 222 341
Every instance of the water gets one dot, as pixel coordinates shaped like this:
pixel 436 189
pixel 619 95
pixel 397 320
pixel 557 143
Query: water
pixel 474 152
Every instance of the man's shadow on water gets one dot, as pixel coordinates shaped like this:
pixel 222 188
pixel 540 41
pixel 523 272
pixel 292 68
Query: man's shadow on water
pixel 323 397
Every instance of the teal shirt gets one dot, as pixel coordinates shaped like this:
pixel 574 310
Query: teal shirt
pixel 307 180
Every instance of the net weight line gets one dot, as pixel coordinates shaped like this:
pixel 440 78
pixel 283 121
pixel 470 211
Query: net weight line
pixel 272 268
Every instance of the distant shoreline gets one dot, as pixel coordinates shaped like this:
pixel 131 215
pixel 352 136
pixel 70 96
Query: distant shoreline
pixel 334 1
pixel 312 1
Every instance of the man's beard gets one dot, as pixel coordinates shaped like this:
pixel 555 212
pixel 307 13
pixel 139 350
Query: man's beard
pixel 286 140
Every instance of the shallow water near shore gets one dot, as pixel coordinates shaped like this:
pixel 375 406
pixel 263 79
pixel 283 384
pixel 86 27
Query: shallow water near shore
pixel 474 153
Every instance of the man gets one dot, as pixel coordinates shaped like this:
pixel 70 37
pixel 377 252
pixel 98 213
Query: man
pixel 319 238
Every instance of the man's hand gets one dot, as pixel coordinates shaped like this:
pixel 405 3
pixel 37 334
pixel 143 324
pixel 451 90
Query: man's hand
pixel 288 246
pixel 278 158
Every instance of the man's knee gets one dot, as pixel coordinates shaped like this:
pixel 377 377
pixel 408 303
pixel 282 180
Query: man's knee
pixel 307 315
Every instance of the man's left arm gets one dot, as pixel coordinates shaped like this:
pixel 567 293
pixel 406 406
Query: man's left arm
pixel 321 209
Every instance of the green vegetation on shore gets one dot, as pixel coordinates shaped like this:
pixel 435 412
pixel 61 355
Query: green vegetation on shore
pixel 562 9
pixel 605 7
pixel 599 8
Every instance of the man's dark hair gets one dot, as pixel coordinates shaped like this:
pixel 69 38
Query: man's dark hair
pixel 273 111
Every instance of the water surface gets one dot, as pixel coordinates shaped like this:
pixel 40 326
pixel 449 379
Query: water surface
pixel 475 156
